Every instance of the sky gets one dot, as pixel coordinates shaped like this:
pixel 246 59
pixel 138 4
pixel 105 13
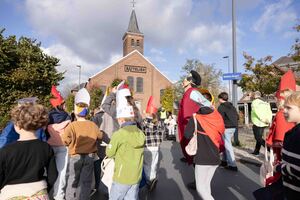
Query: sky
pixel 89 33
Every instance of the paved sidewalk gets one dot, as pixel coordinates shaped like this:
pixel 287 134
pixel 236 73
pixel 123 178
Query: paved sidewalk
pixel 243 152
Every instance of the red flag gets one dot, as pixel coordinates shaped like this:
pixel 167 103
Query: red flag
pixel 58 99
pixel 150 106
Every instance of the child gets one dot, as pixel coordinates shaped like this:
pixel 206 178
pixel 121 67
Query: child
pixel 290 151
pixel 151 153
pixel 58 121
pixel 126 147
pixel 80 137
pixel 23 163
pixel 9 134
pixel 171 122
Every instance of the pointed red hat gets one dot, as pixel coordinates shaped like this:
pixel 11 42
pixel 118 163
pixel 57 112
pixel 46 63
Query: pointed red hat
pixel 58 99
pixel 150 106
pixel 287 81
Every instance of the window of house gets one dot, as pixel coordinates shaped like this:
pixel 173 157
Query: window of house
pixel 139 84
pixel 162 93
pixel 130 80
pixel 103 88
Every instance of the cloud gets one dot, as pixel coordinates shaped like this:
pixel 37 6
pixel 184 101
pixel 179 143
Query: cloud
pixel 69 61
pixel 157 55
pixel 278 17
pixel 213 38
pixel 90 33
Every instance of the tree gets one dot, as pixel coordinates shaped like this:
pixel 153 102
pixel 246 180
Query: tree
pixel 263 76
pixel 25 71
pixel 296 47
pixel 70 102
pixel 167 99
pixel 96 98
pixel 211 77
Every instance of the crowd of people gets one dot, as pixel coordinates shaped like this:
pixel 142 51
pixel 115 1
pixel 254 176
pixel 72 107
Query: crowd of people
pixel 50 155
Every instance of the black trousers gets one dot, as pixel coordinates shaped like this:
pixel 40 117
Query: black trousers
pixel 258 133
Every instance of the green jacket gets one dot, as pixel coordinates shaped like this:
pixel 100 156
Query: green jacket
pixel 261 113
pixel 127 148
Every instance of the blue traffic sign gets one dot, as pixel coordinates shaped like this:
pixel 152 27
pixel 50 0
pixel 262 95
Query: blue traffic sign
pixel 232 76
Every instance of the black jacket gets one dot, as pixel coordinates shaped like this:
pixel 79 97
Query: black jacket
pixel 229 114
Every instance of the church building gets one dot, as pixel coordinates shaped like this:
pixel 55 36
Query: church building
pixel 144 78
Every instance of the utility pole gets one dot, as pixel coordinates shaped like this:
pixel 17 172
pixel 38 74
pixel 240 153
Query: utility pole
pixel 234 88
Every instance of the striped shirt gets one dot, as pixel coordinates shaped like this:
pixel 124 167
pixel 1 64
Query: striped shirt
pixel 290 167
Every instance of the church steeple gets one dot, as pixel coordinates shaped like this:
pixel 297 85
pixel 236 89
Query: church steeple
pixel 133 26
pixel 133 38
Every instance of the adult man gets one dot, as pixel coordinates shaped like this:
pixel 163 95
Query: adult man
pixel 230 117
pixel 186 109
pixel 261 117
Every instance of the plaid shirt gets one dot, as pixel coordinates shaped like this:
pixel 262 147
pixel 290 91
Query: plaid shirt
pixel 153 133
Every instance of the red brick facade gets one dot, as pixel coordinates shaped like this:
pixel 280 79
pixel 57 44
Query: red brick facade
pixel 136 66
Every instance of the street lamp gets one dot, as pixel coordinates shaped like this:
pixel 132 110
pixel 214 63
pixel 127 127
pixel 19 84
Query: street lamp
pixel 229 82
pixel 79 66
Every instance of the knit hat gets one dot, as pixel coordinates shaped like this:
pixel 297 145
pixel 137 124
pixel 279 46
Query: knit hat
pixel 58 99
pixel 194 78
pixel 82 96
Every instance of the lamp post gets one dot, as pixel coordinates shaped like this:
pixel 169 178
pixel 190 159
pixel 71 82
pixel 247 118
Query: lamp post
pixel 229 82
pixel 234 85
pixel 79 66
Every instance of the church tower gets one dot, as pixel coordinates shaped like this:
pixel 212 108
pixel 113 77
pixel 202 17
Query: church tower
pixel 133 38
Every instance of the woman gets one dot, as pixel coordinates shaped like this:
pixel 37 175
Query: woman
pixel 210 127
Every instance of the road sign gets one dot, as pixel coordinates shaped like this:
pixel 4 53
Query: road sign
pixel 232 76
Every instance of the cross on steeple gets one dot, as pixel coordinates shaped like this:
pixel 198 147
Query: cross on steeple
pixel 133 2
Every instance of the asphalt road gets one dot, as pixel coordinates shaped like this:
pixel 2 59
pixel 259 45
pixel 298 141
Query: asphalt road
pixel 173 175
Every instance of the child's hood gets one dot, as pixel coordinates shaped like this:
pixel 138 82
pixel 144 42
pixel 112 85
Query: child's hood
pixel 135 137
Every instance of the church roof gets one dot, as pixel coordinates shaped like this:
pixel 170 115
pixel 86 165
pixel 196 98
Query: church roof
pixel 133 26
pixel 121 59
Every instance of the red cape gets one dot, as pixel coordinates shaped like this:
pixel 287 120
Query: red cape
pixel 213 126
pixel 186 109
pixel 278 129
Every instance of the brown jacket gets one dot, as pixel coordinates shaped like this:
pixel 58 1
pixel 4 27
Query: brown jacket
pixel 81 137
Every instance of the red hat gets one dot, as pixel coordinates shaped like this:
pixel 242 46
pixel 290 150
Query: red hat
pixel 58 99
pixel 287 81
pixel 150 106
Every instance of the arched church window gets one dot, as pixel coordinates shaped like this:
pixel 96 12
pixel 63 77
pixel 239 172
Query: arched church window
pixel 132 42
pixel 138 43
pixel 139 85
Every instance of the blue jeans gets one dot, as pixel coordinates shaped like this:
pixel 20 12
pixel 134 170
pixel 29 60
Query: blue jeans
pixel 228 155
pixel 120 191
pixel 61 159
